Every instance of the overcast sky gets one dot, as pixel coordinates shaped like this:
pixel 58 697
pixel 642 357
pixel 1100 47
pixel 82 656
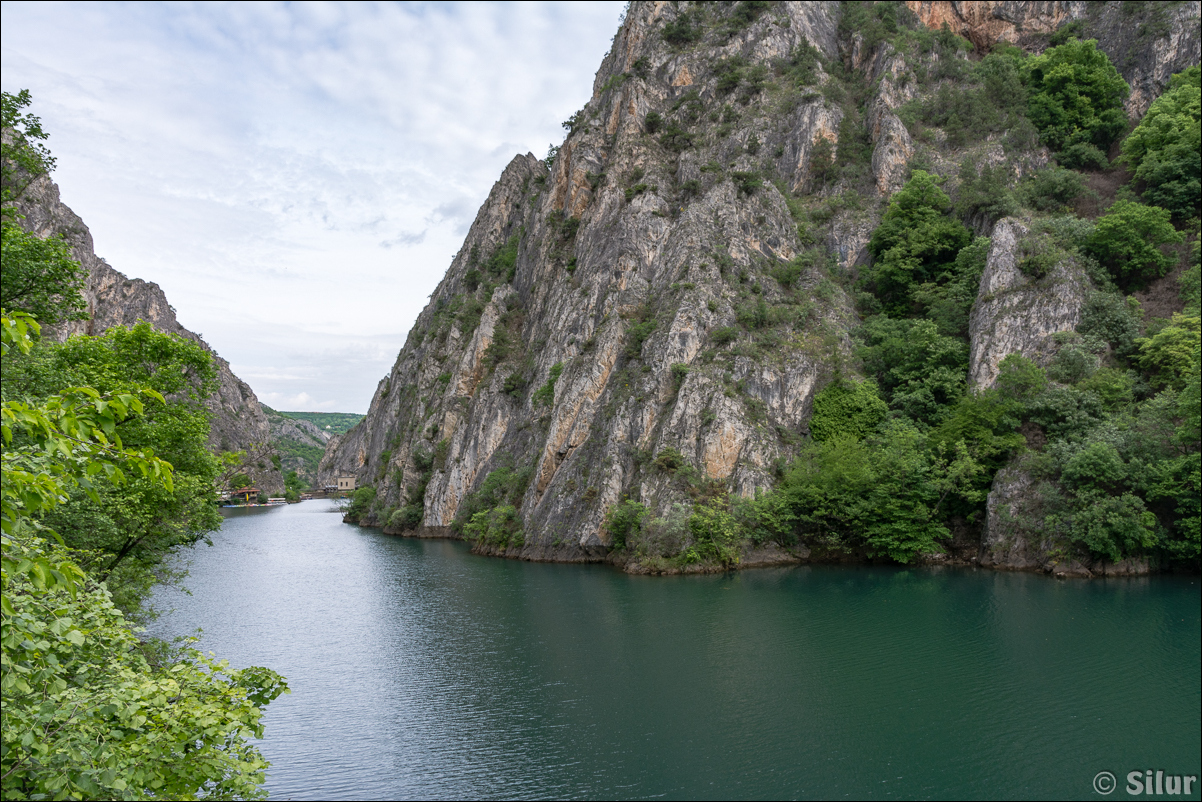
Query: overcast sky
pixel 297 177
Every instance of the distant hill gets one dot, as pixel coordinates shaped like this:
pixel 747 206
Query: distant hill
pixel 332 422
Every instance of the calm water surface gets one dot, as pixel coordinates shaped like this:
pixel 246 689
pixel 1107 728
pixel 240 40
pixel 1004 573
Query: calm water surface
pixel 420 670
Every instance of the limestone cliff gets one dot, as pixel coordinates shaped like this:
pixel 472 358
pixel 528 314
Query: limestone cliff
pixel 625 309
pixel 1148 42
pixel 238 422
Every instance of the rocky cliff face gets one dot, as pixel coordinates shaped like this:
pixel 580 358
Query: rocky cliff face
pixel 238 422
pixel 627 309
pixel 1019 314
pixel 1148 42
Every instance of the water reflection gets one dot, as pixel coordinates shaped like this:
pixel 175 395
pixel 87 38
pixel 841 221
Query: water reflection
pixel 419 670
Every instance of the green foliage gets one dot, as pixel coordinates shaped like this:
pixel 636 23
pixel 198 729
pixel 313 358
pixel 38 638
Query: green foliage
pixel 499 526
pixel 847 410
pixel 407 517
pixel 1168 355
pixel 1038 256
pixel 920 371
pixel 1052 190
pixel 1076 95
pixel 86 714
pixel 361 503
pixel 1112 318
pixel 990 100
pixel 802 67
pixel 24 157
pixel 1127 242
pixel 333 422
pixel 915 241
pixel 503 262
pixel 882 493
pixel 129 528
pixel 947 301
pixel 643 324
pixel 623 521
pixel 504 486
pixel 653 122
pixel 746 182
pixel 39 276
pixel 545 395
pixel 985 194
pixel 745 13
pixel 1164 148
pixel 670 460
pixel 686 29
pixel 1083 156
pixel 729 72
pixel 724 334
pixel 675 138
pixel 715 535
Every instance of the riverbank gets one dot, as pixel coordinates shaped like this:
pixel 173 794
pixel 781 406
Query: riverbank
pixel 961 553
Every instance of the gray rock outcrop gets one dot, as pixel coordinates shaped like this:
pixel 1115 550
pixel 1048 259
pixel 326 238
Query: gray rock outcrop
pixel 238 422
pixel 1016 314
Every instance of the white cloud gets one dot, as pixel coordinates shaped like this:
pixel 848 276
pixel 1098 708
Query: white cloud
pixel 297 177
pixel 301 402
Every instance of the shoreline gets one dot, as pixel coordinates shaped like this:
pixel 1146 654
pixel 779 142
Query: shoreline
pixel 773 556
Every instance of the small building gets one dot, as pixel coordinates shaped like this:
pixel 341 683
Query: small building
pixel 244 494
pixel 346 483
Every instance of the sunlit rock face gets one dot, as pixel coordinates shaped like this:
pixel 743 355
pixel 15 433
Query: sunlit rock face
pixel 238 422
pixel 633 324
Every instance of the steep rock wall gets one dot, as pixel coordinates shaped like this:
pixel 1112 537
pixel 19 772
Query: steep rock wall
pixel 663 236
pixel 1016 314
pixel 1147 42
pixel 238 422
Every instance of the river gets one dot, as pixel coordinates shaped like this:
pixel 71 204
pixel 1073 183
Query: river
pixel 419 670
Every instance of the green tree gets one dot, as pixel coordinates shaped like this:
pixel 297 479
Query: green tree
pixel 915 243
pixel 1168 355
pixel 920 371
pixel 1075 95
pixel 1164 148
pixel 847 410
pixel 129 529
pixel 23 157
pixel 1127 240
pixel 87 713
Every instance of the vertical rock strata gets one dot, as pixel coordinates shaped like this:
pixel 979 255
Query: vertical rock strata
pixel 238 422
pixel 606 314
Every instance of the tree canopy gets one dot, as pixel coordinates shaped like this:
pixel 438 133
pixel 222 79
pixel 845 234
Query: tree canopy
pixel 1076 96
pixel 1165 149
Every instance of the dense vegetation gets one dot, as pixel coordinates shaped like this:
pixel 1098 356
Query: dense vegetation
pixel 106 469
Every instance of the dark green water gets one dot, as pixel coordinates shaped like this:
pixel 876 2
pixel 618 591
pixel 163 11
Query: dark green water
pixel 420 670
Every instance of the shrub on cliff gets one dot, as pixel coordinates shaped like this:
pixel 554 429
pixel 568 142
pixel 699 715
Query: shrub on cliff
pixel 1127 242
pixel 1075 95
pixel 1164 149
pixel 847 410
pixel 915 243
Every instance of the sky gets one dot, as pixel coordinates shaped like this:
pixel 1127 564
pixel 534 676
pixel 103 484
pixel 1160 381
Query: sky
pixel 296 176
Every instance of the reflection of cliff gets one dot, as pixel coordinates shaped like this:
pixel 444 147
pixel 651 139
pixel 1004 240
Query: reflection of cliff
pixel 238 422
